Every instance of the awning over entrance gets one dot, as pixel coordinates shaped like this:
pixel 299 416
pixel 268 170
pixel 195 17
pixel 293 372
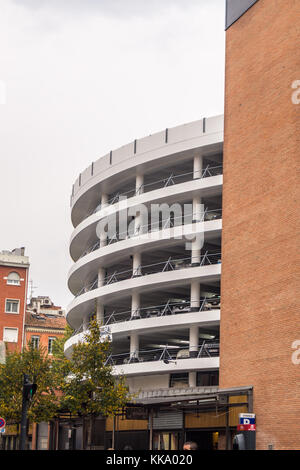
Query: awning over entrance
pixel 203 397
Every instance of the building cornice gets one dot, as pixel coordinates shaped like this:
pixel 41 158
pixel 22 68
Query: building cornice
pixel 36 329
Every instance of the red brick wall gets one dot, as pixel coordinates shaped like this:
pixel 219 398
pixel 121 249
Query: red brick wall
pixel 12 292
pixel 261 218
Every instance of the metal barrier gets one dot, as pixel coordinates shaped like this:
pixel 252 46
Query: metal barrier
pixel 170 222
pixel 166 354
pixel 172 179
pixel 169 308
pixel 168 265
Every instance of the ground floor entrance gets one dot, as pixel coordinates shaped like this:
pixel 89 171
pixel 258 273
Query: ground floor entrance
pixel 166 440
pixel 206 440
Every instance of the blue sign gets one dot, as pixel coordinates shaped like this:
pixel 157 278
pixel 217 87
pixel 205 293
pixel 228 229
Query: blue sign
pixel 247 422
pixel 246 418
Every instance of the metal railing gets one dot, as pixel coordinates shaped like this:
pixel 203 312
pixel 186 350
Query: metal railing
pixel 168 353
pixel 170 222
pixel 78 331
pixel 171 307
pixel 172 179
pixel 94 247
pixel 167 265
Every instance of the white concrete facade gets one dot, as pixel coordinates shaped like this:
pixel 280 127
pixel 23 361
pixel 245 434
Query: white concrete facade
pixel 155 285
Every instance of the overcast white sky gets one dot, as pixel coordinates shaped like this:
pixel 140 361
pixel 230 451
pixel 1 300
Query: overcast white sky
pixel 83 77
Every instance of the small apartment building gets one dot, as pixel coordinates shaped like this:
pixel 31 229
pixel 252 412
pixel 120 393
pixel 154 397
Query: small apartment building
pixel 45 322
pixel 14 266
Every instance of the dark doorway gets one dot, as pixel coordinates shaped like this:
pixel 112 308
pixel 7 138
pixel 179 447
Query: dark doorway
pixel 206 440
pixel 130 440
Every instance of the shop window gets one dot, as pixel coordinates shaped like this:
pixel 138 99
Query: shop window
pixel 42 436
pixel 166 441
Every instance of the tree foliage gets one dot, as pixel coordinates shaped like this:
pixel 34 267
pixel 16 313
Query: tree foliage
pixel 90 388
pixel 37 365
pixel 60 364
pixel 83 385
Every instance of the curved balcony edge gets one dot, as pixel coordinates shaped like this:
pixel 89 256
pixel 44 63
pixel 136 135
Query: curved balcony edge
pixel 202 133
pixel 71 342
pixel 91 262
pixel 159 367
pixel 85 303
pixel 204 187
pixel 151 325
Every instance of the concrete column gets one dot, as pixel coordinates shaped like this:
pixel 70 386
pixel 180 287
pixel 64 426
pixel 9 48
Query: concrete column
pixel 136 264
pixel 192 379
pixel 195 295
pixel 196 251
pixel 103 239
pixel 100 313
pixel 135 304
pixel 139 184
pixel 198 166
pixel 101 277
pixel 194 340
pixel 99 306
pixel 104 200
pixel 85 323
pixel 197 208
pixel 197 242
pixel 134 345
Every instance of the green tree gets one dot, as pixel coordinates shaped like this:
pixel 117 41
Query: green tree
pixel 60 364
pixel 37 365
pixel 90 388
pixel 83 385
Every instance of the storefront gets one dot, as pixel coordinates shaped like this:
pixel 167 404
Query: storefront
pixel 209 419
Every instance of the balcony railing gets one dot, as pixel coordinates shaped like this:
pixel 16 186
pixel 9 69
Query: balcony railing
pixel 166 354
pixel 171 180
pixel 172 307
pixel 169 222
pixel 164 266
pixel 78 331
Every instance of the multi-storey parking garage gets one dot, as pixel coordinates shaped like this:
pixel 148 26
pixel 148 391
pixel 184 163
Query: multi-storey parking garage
pixel 153 284
pixel 147 258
